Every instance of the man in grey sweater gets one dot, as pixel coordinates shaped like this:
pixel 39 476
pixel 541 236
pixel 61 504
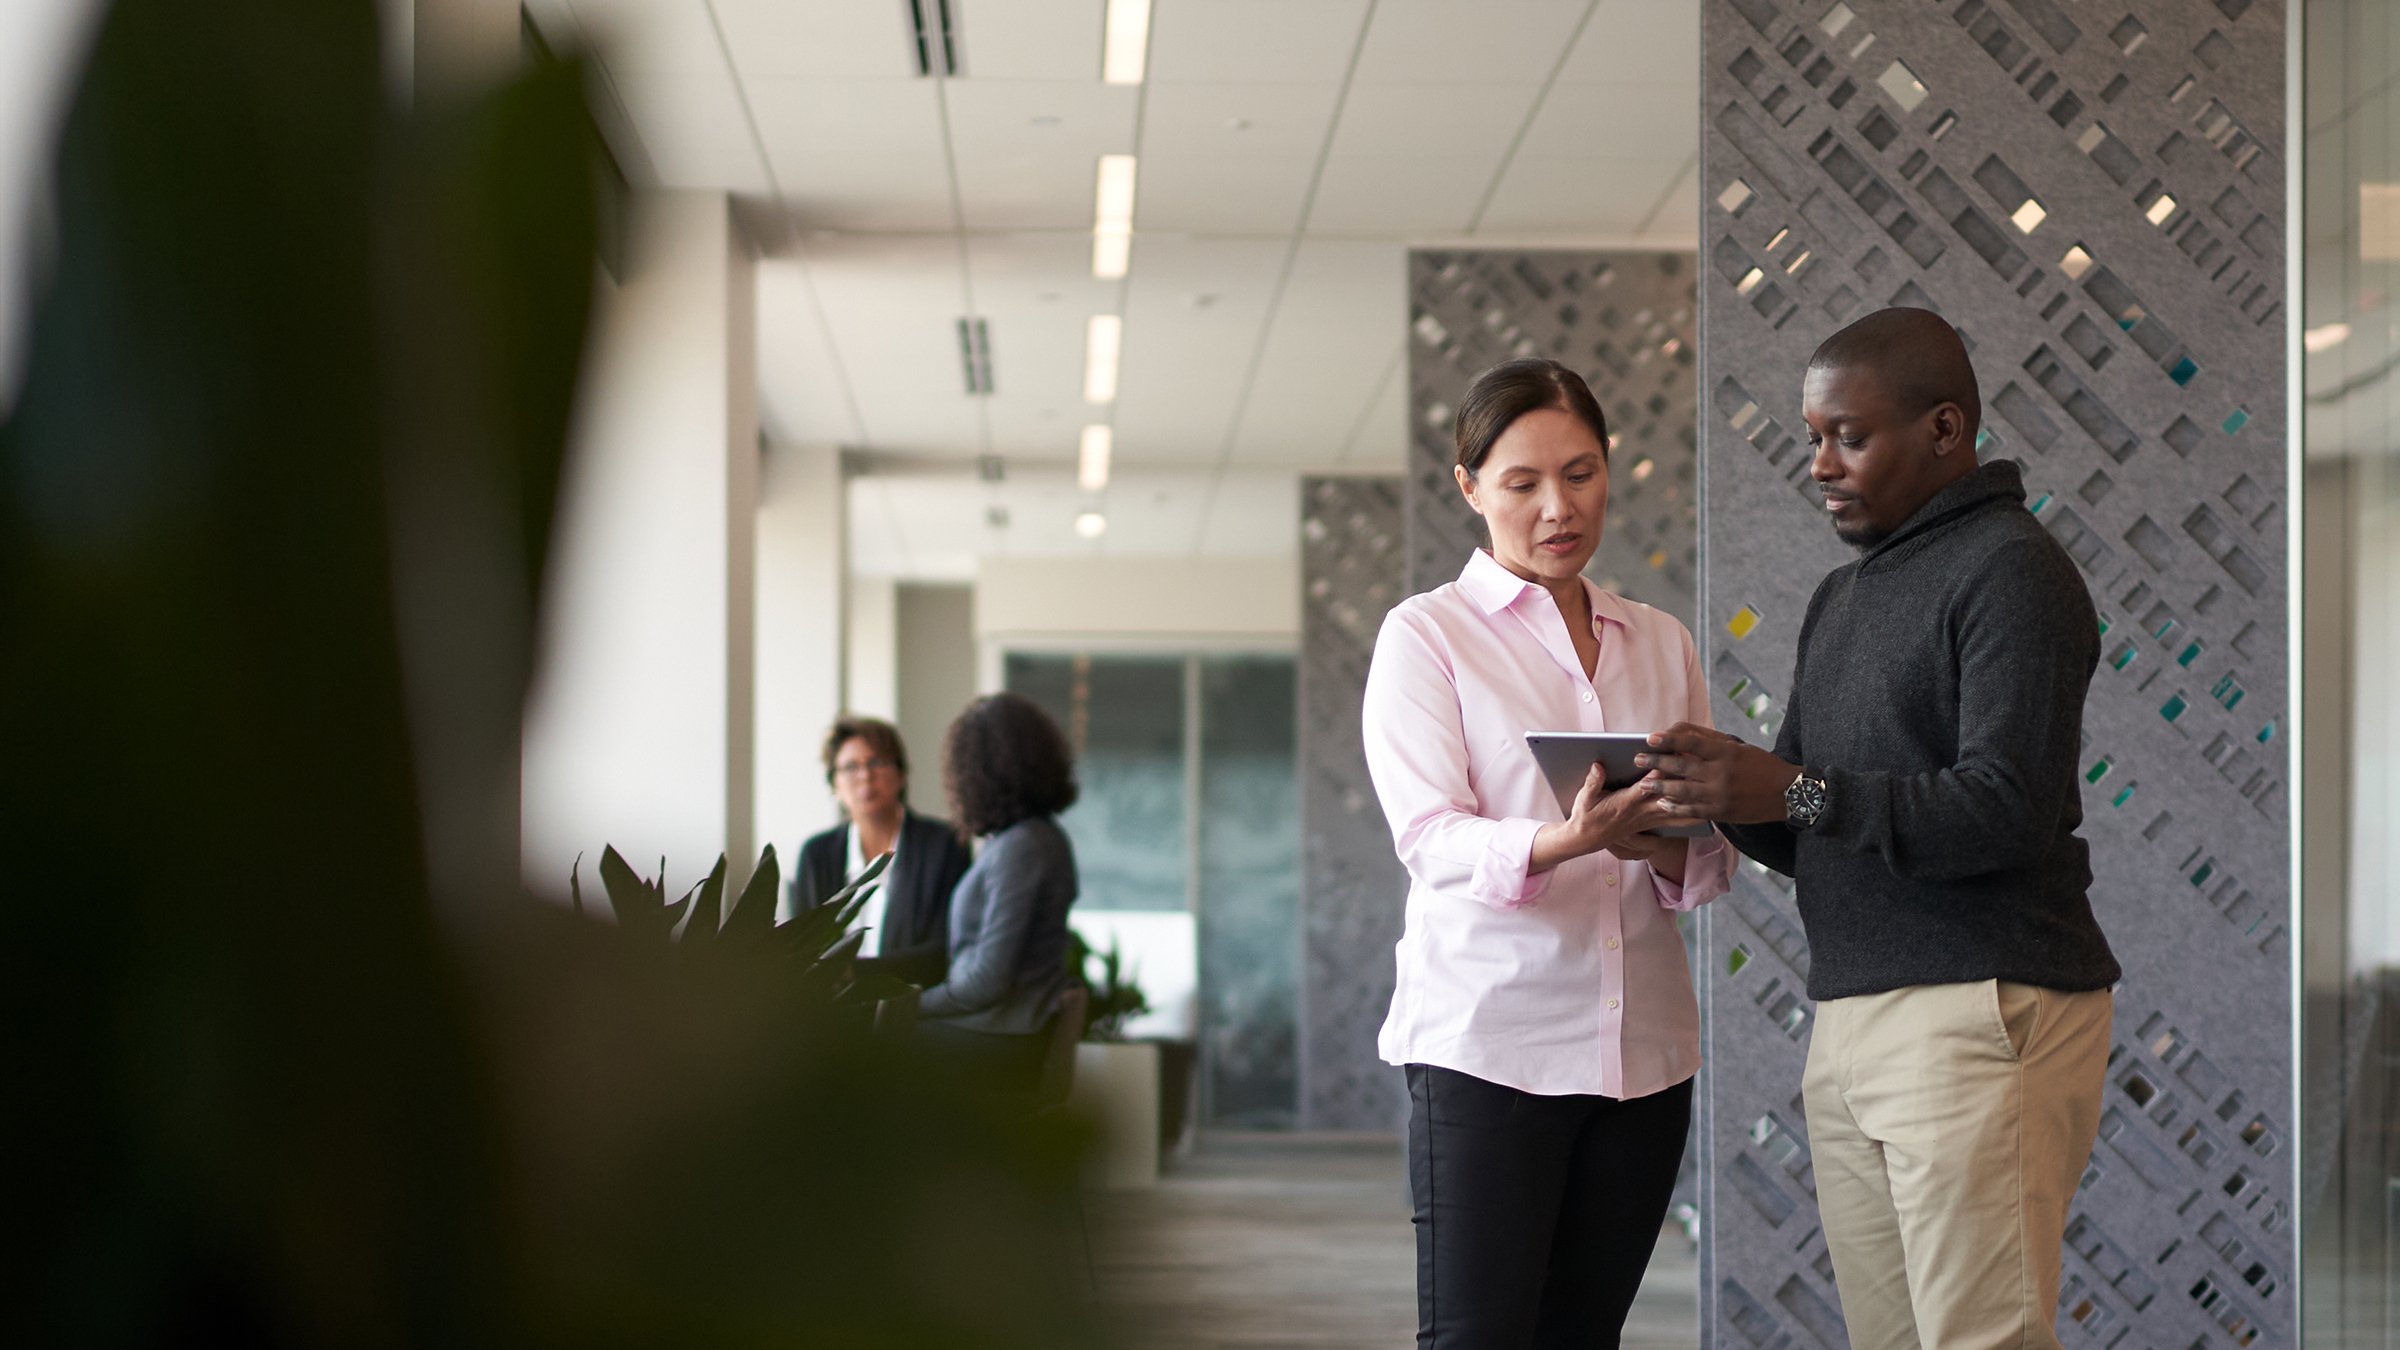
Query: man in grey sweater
pixel 1922 793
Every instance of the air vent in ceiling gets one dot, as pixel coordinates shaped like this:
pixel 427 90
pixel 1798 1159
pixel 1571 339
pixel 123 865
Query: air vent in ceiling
pixel 935 36
pixel 975 352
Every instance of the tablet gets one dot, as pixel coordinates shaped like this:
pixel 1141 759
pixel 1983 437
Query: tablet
pixel 1566 756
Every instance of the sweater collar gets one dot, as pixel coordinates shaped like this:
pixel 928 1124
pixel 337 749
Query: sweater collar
pixel 1494 588
pixel 1999 481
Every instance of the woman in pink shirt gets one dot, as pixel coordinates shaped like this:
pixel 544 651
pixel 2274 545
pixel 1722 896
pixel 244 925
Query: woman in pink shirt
pixel 1543 1011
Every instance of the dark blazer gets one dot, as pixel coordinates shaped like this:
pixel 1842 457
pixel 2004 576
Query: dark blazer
pixel 1008 928
pixel 916 907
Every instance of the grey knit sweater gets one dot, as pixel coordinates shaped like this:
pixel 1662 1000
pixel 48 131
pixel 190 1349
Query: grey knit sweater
pixel 1939 692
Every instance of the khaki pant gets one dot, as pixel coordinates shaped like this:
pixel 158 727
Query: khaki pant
pixel 1949 1125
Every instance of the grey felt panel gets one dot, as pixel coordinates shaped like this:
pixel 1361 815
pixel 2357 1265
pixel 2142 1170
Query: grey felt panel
pixel 1353 892
pixel 2095 196
pixel 1621 319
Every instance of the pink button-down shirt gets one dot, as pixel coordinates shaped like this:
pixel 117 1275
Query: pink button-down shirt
pixel 1566 981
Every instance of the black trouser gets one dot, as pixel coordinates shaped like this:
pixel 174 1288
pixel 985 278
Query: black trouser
pixel 989 1061
pixel 1535 1215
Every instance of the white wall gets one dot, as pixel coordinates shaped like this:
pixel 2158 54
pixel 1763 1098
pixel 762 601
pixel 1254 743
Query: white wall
pixel 1209 599
pixel 800 622
pixel 638 726
pixel 871 682
pixel 936 627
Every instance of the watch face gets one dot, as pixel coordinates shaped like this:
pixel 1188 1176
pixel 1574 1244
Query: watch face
pixel 1804 800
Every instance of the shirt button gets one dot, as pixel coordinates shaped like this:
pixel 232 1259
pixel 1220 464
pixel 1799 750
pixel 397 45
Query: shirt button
pixel 1612 944
pixel 1612 1003
pixel 1612 878
pixel 1587 695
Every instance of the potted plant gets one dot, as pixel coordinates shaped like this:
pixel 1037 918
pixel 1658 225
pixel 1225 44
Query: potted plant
pixel 1116 1080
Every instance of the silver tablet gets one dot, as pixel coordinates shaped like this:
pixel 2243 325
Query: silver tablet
pixel 1566 756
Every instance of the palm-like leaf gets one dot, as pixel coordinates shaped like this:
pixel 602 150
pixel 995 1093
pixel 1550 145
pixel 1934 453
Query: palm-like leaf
pixel 753 914
pixel 708 906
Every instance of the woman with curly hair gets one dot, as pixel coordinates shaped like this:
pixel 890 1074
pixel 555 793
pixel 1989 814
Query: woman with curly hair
pixel 1008 773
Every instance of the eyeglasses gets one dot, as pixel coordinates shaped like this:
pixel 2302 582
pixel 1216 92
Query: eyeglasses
pixel 863 767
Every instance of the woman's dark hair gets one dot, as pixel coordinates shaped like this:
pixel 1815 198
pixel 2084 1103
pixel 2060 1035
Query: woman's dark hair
pixel 1005 761
pixel 1512 389
pixel 881 737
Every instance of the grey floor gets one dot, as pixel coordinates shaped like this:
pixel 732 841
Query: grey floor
pixel 1285 1240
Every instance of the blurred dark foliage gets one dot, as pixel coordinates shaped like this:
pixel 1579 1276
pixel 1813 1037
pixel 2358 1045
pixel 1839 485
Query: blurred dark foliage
pixel 274 501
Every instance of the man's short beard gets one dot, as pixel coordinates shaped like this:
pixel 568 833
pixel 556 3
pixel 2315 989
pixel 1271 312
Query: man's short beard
pixel 1861 537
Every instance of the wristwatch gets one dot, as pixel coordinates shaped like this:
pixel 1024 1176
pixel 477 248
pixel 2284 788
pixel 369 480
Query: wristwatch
pixel 1803 801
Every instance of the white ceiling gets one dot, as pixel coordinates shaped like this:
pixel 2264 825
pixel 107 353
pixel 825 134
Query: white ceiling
pixel 1290 152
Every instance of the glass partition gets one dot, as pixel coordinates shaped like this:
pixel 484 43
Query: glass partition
pixel 2350 850
pixel 1187 837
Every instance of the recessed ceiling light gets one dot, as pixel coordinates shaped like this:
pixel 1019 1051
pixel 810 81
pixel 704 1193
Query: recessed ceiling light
pixel 1103 338
pixel 1125 51
pixel 1091 462
pixel 1091 525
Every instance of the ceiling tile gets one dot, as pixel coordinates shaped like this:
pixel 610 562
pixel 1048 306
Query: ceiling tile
pixel 1036 293
pixel 1417 119
pixel 856 154
pixel 1252 41
pixel 1333 335
pixel 1217 194
pixel 1580 195
pixel 1026 151
pixel 818 39
pixel 1676 221
pixel 1401 194
pixel 1029 39
pixel 801 395
pixel 1193 312
pixel 893 303
pixel 1379 439
pixel 1647 121
pixel 1635 40
pixel 693 128
pixel 1493 42
pixel 1224 120
pixel 654 37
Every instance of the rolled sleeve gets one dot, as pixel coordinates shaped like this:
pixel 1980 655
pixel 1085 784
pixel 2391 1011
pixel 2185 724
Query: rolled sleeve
pixel 1503 875
pixel 1707 872
pixel 1416 756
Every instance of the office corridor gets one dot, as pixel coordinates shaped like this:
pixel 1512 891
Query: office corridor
pixel 1284 1240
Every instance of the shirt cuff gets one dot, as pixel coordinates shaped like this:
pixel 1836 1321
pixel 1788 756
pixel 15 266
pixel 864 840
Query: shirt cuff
pixel 1501 878
pixel 1706 870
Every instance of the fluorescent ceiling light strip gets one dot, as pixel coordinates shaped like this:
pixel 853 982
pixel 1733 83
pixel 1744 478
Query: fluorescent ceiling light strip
pixel 1112 217
pixel 1091 463
pixel 1126 49
pixel 1102 339
pixel 1091 525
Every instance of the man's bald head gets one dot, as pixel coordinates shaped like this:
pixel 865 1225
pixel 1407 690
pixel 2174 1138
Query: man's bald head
pixel 1914 354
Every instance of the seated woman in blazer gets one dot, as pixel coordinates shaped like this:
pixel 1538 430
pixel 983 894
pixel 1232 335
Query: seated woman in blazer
pixel 907 917
pixel 1009 773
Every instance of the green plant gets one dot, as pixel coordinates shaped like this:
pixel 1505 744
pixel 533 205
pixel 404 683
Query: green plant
pixel 819 942
pixel 1115 998
pixel 298 1061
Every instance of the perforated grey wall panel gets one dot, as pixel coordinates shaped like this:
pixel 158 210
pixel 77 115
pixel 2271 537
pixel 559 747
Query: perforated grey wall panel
pixel 1622 320
pixel 2094 194
pixel 1353 892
